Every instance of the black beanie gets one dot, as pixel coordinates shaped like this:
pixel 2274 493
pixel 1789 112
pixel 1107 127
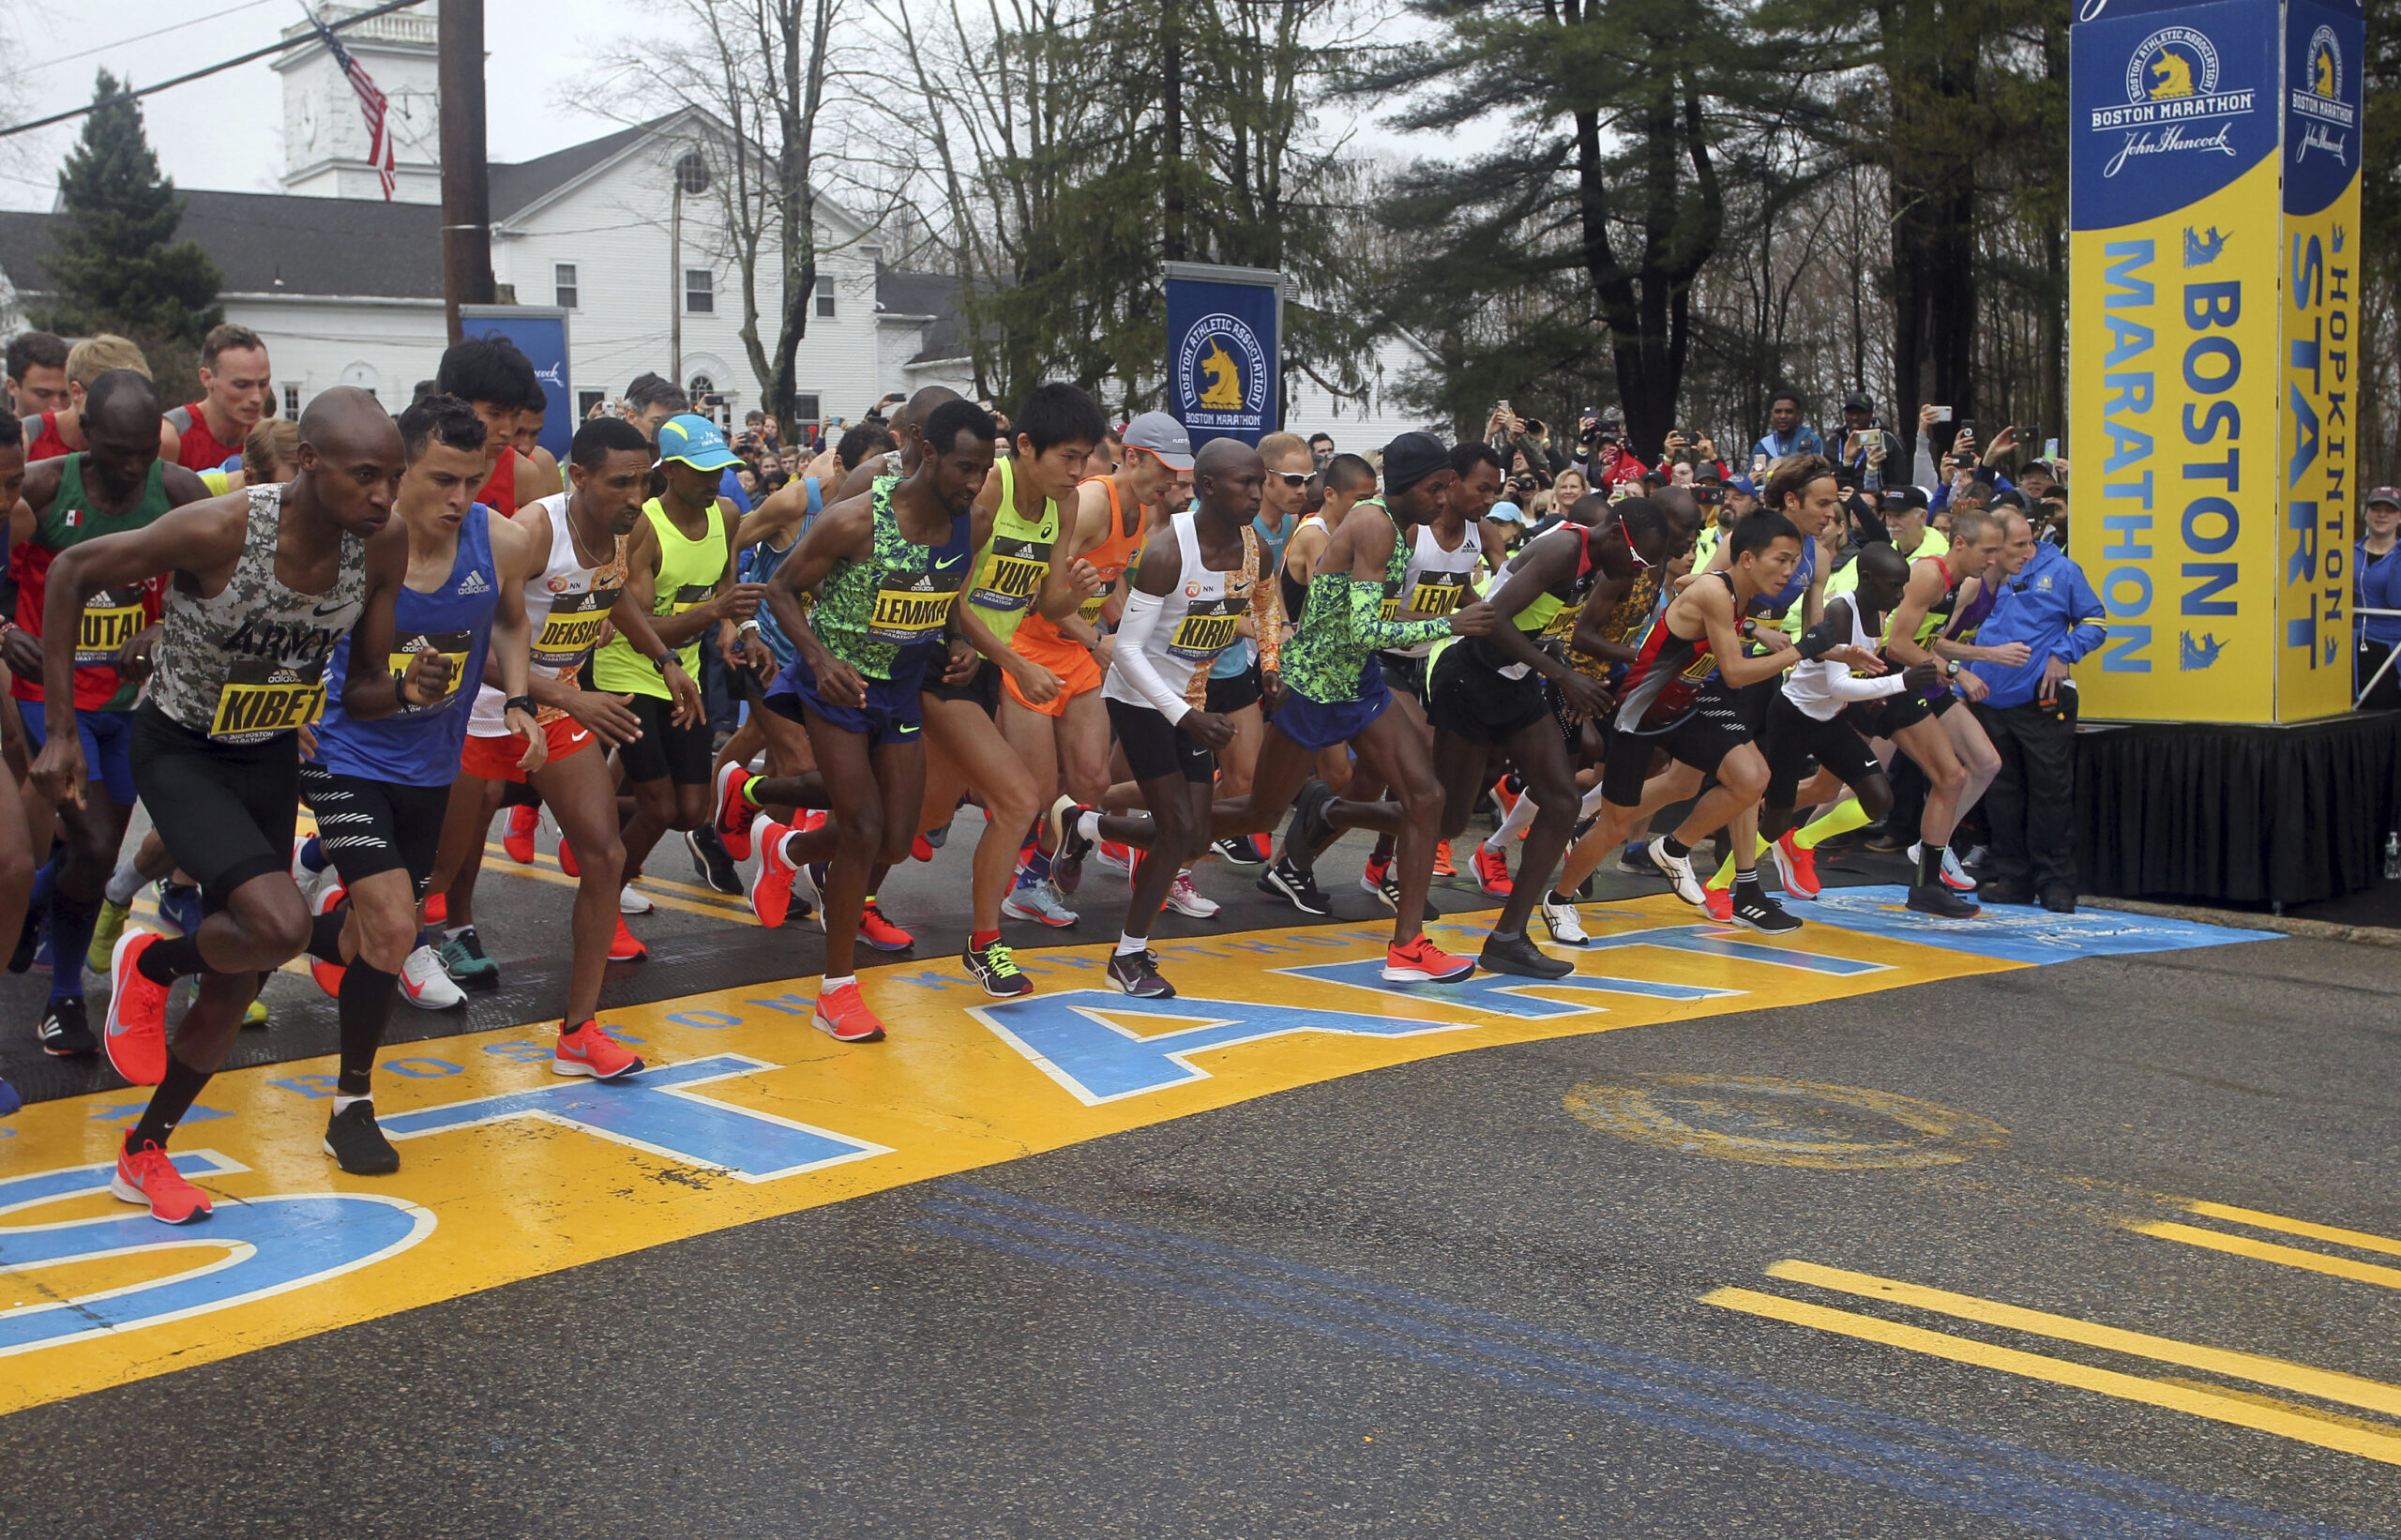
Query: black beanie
pixel 1410 458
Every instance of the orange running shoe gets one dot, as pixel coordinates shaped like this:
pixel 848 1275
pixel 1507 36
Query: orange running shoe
pixel 622 947
pixel 1508 799
pixel 137 1021
pixel 1442 867
pixel 519 842
pixel 590 1051
pixel 882 934
pixel 327 974
pixel 733 809
pixel 1719 904
pixel 437 909
pixel 1418 961
pixel 1491 870
pixel 567 860
pixel 148 1176
pixel 1797 865
pixel 771 886
pixel 843 1016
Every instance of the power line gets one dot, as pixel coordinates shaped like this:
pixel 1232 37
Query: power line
pixel 145 36
pixel 256 54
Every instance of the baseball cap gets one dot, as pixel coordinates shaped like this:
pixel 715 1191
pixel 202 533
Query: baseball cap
pixel 1857 402
pixel 1163 436
pixel 1707 470
pixel 1743 484
pixel 1903 499
pixel 2384 494
pixel 694 440
pixel 1508 513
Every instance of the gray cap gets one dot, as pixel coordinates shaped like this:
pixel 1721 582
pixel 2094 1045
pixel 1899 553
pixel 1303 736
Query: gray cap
pixel 1163 436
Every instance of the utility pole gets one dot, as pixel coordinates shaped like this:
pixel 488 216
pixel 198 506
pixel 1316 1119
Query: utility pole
pixel 1172 109
pixel 466 185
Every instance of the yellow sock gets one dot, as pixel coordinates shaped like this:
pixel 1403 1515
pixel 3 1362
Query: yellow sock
pixel 1724 876
pixel 1843 817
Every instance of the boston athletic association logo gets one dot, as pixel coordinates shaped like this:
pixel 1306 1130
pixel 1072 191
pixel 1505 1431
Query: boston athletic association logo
pixel 1221 372
pixel 2174 100
pixel 2317 98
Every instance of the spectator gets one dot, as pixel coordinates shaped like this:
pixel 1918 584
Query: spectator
pixel 1601 452
pixel 651 400
pixel 2029 711
pixel 1322 449
pixel 1787 433
pixel 2377 585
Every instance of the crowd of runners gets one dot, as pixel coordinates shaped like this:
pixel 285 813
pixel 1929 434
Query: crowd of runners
pixel 1034 646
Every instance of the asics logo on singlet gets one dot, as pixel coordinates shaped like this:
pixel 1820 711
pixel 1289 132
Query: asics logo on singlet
pixel 475 585
pixel 284 642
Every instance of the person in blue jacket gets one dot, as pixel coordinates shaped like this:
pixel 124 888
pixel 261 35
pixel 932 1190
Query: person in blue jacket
pixel 2376 584
pixel 2029 711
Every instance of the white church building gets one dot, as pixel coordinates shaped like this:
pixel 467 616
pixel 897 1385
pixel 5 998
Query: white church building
pixel 626 233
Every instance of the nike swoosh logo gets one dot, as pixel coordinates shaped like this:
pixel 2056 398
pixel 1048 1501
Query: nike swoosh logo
pixel 329 608
pixel 945 566
pixel 906 731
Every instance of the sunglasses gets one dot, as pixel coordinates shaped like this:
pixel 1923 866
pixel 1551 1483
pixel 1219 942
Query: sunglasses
pixel 1294 479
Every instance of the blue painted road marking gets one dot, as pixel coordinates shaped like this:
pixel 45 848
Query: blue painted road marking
pixel 2017 933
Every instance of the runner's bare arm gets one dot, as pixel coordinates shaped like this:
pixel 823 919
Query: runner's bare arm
pixel 1900 632
pixel 515 558
pixel 200 543
pixel 182 487
pixel 370 690
pixel 844 531
pixel 781 509
pixel 1550 561
pixel 1713 605
pixel 171 443
pixel 20 649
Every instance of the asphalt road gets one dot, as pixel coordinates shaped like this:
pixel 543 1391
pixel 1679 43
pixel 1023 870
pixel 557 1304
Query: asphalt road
pixel 1463 1296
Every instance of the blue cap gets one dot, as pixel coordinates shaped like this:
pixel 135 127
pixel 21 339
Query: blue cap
pixel 1508 513
pixel 1744 484
pixel 694 440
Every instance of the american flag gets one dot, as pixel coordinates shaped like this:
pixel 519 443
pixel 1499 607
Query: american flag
pixel 370 104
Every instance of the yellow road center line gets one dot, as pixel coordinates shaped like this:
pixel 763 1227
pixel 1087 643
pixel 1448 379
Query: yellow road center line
pixel 648 883
pixel 725 909
pixel 2262 1220
pixel 2330 1384
pixel 2268 1251
pixel 2382 1447
pixel 2296 1408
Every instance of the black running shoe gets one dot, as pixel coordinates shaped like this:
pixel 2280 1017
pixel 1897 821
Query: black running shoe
pixel 937 838
pixel 713 861
pixel 1137 975
pixel 1519 955
pixel 1634 861
pixel 1069 846
pixel 997 971
pixel 1238 850
pixel 357 1145
pixel 1936 898
pixel 1755 911
pixel 1310 831
pixel 64 1032
pixel 1289 882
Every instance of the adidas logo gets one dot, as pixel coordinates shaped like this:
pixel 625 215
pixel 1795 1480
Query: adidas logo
pixel 475 585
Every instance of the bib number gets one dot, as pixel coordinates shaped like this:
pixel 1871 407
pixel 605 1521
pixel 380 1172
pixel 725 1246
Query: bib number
pixel 111 619
pixel 451 644
pixel 571 630
pixel 1014 575
pixel 260 700
pixel 905 616
pixel 1438 594
pixel 1205 631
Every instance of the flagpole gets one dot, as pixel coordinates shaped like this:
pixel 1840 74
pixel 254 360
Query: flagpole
pixel 466 186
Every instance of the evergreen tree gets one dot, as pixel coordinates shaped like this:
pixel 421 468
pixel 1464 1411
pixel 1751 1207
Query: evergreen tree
pixel 115 264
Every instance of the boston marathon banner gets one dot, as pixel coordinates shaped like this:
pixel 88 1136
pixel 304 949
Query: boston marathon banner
pixel 2214 187
pixel 540 332
pixel 1223 324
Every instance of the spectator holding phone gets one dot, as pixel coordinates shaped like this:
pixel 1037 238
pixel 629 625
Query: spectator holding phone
pixel 1601 452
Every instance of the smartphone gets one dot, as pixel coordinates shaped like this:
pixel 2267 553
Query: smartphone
pixel 1504 409
pixel 1941 414
pixel 2050 450
pixel 1966 426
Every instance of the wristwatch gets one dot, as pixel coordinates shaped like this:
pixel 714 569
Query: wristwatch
pixel 521 702
pixel 664 660
pixel 1951 669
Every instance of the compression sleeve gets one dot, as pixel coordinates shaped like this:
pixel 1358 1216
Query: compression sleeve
pixel 1132 653
pixel 1267 610
pixel 1843 684
pixel 1371 629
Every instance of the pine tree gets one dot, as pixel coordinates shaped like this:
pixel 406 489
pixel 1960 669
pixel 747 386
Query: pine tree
pixel 115 264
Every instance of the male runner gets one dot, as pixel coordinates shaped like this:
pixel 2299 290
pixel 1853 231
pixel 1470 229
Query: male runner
pixel 16 850
pixel 118 484
pixel 887 570
pixel 61 429
pixel 235 385
pixel 265 583
pixel 38 375
pixel 379 787
pixel 492 375
pixel 577 585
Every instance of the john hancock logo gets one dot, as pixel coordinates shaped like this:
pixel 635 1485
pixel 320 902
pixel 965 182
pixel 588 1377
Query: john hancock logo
pixel 1222 374
pixel 2171 93
pixel 2318 98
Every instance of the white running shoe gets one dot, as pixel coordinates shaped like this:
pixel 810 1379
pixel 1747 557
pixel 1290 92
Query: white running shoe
pixel 1184 899
pixel 632 903
pixel 1955 876
pixel 426 985
pixel 1566 927
pixel 1679 872
pixel 1039 902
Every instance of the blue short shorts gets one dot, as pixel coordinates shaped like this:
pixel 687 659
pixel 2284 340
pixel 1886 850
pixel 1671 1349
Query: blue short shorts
pixel 107 745
pixel 1315 724
pixel 892 714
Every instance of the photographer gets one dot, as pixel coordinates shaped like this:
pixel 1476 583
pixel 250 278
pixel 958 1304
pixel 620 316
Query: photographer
pixel 1601 453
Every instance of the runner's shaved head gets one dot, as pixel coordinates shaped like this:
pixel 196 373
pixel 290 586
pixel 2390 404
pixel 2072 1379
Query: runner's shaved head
pixel 920 407
pixel 345 423
pixel 123 398
pixel 1220 457
pixel 1884 563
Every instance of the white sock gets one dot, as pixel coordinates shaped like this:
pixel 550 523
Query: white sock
pixel 1088 825
pixel 455 931
pixel 1520 818
pixel 828 985
pixel 124 883
pixel 1132 944
pixel 1590 807
pixel 342 1104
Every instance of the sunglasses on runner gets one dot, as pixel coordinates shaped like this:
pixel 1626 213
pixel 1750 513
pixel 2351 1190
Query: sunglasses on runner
pixel 1294 479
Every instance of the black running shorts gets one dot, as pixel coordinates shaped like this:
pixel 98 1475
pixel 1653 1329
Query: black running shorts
pixel 225 811
pixel 1796 739
pixel 1702 740
pixel 983 687
pixel 1469 698
pixel 1156 749
pixel 680 755
pixel 369 827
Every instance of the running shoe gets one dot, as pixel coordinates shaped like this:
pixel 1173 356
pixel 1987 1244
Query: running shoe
pixel 1977 856
pixel 302 872
pixel 1755 911
pixel 1955 876
pixel 1039 903
pixel 357 1145
pixel 936 839
pixel 1310 831
pixel 426 985
pixel 1191 902
pixel 9 1101
pixel 1796 865
pixel 879 932
pixel 1418 961
pixel 327 974
pixel 1442 867
pixel 1112 856
pixel 437 909
pixel 105 931
pixel 921 848
pixel 1377 880
pixel 2058 898
pixel 42 962
pixel 1518 955
pixel 65 1032
pixel 1634 861
pixel 1239 851
pixel 1492 871
pixel 463 959
pixel 1939 900
pixel 842 1015
pixel 625 947
pixel 1679 872
pixel 524 820
pixel 1506 797
pixel 632 901
pixel 1885 842
pixel 734 811
pixel 771 886
pixel 1566 927
pixel 1296 888
pixel 1069 845
pixel 993 968
pixel 1719 904
pixel 147 1177
pixel 590 1051
pixel 178 905
pixel 713 862
pixel 254 1014
pixel 1137 975
pixel 567 859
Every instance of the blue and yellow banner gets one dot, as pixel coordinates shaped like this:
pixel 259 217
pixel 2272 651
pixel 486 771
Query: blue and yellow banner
pixel 1223 326
pixel 2200 178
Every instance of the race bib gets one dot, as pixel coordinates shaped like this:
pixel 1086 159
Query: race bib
pixel 572 629
pixel 691 596
pixel 111 617
pixel 910 613
pixel 451 644
pixel 261 699
pixel 1014 575
pixel 1206 630
pixel 1438 593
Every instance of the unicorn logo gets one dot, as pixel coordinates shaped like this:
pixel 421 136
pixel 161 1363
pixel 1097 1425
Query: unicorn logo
pixel 2172 75
pixel 2190 654
pixel 2202 249
pixel 1225 378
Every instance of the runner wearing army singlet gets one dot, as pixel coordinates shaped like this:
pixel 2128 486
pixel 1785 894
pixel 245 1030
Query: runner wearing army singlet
pixel 118 484
pixel 266 582
pixel 887 570
pixel 578 587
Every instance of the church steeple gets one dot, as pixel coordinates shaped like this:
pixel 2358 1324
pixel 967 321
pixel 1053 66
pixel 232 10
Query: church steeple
pixel 325 138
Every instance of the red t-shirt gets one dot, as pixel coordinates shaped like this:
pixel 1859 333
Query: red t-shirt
pixel 499 493
pixel 201 451
pixel 46 445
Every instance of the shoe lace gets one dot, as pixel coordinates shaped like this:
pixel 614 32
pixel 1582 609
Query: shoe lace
pixel 997 958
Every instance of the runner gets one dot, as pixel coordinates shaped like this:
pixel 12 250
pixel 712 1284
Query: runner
pixel 492 375
pixel 576 587
pixel 886 569
pixel 379 787
pixel 16 850
pixel 265 583
pixel 61 429
pixel 37 376
pixel 118 484
pixel 235 384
